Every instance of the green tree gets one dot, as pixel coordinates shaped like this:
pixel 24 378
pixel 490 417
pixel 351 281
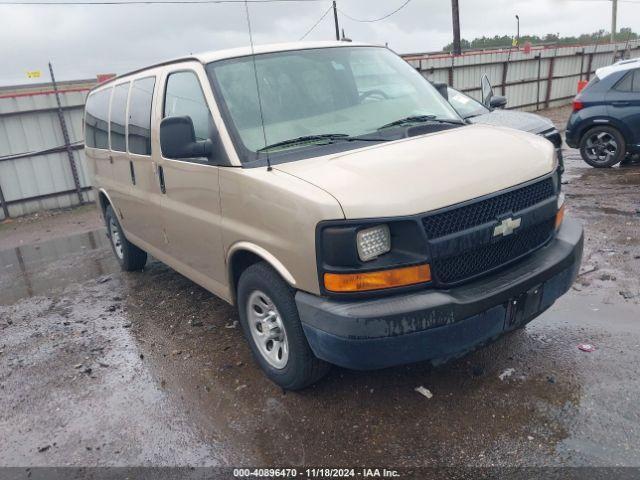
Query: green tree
pixel 505 41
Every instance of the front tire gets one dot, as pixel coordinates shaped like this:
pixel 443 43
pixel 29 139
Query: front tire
pixel 602 147
pixel 270 321
pixel 130 257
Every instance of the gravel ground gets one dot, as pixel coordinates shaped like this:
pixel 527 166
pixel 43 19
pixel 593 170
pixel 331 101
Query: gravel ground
pixel 104 368
pixel 47 225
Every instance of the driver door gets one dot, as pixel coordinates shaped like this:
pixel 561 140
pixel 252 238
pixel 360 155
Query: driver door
pixel 191 193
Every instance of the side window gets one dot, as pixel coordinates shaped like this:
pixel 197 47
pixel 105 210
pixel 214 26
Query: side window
pixel 625 84
pixel 140 116
pixel 184 96
pixel 118 117
pixel 636 81
pixel 97 119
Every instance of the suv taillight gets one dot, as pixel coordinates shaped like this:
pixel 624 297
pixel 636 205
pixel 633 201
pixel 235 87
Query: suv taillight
pixel 577 105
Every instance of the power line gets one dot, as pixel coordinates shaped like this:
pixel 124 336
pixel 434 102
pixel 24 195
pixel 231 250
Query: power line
pixel 376 19
pixel 149 2
pixel 317 23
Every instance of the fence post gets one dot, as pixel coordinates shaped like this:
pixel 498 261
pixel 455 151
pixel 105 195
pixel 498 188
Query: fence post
pixel 505 70
pixel 552 61
pixel 65 135
pixel 5 208
pixel 589 66
pixel 451 70
pixel 538 82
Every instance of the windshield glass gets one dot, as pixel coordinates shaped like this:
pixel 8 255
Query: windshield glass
pixel 466 106
pixel 345 90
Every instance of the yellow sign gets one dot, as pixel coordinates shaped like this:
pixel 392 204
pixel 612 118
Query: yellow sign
pixel 514 43
pixel 34 74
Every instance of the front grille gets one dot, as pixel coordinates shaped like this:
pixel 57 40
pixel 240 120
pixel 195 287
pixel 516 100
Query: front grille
pixel 488 210
pixel 488 257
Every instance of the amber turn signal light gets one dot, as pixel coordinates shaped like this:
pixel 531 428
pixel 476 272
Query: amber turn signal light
pixel 362 282
pixel 559 217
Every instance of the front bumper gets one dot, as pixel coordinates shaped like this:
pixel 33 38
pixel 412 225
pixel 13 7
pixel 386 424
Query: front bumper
pixel 438 325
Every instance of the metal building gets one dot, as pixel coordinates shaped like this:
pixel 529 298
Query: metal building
pixel 35 169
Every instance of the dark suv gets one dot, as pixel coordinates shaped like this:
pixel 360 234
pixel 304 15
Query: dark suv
pixel 605 123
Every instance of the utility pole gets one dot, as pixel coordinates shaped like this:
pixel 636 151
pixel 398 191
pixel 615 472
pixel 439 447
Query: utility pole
pixel 335 19
pixel 518 32
pixel 457 47
pixel 614 20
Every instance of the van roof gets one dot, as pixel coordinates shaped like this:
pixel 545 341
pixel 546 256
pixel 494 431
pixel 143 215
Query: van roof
pixel 211 56
pixel 621 66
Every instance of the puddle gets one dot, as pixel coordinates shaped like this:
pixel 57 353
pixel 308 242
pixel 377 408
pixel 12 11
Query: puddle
pixel 39 268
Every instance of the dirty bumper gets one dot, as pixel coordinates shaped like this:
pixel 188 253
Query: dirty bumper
pixel 441 324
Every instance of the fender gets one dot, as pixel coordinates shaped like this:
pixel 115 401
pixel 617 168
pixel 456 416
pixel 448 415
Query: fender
pixel 104 192
pixel 262 253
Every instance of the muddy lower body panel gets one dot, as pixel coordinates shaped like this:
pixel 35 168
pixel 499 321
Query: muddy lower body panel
pixel 438 325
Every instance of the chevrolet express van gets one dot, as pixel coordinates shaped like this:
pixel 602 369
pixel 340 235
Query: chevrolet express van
pixel 331 194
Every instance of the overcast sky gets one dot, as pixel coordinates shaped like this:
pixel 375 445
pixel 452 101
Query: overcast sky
pixel 83 41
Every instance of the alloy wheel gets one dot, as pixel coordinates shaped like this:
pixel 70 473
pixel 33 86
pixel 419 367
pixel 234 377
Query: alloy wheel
pixel 601 147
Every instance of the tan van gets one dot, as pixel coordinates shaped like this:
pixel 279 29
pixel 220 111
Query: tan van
pixel 332 194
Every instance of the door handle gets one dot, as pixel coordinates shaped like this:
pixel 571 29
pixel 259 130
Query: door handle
pixel 133 172
pixel 161 179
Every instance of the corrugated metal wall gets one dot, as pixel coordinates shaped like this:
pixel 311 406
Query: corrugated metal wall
pixel 35 173
pixel 545 77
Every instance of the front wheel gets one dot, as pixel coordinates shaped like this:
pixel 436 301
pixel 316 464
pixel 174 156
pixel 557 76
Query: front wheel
pixel 269 318
pixel 130 257
pixel 602 147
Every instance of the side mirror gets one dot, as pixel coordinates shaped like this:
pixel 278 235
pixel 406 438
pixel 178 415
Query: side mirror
pixel 498 101
pixel 178 139
pixel 443 89
pixel 487 90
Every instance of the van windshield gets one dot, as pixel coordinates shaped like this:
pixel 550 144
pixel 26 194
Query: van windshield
pixel 326 97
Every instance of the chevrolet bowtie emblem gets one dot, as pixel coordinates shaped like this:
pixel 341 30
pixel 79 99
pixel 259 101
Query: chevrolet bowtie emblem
pixel 506 227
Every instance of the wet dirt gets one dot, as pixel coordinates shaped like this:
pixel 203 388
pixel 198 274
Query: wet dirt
pixel 146 368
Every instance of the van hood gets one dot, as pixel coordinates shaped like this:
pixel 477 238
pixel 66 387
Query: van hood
pixel 420 174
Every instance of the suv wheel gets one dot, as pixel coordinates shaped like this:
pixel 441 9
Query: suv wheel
pixel 271 324
pixel 130 257
pixel 602 147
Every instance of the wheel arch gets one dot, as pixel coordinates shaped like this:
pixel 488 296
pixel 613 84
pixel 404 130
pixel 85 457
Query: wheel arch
pixel 244 254
pixel 104 200
pixel 599 122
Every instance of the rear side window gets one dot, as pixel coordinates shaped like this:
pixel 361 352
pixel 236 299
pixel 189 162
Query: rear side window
pixel 140 116
pixel 595 80
pixel 630 82
pixel 636 81
pixel 118 117
pixel 626 84
pixel 97 119
pixel 184 97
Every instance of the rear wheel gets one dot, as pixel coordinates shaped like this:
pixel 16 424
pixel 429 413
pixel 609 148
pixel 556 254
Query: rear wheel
pixel 602 147
pixel 269 318
pixel 130 257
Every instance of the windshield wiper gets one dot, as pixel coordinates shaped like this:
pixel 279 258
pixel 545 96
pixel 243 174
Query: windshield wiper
pixel 420 119
pixel 326 137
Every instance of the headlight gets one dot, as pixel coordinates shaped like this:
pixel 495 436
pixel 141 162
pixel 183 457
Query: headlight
pixel 556 160
pixel 560 214
pixel 373 242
